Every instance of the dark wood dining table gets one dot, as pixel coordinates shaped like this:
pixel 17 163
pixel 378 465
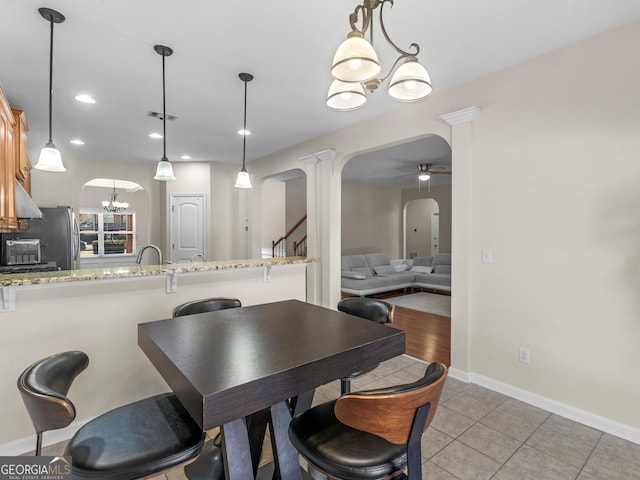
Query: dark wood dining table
pixel 225 366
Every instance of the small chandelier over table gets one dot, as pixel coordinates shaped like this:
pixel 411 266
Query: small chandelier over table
pixel 356 65
pixel 113 205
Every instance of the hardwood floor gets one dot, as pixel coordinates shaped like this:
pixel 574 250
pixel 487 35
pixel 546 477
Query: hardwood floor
pixel 428 335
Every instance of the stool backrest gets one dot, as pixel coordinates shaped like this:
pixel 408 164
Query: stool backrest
pixel 369 308
pixel 206 305
pixel 44 387
pixel 390 412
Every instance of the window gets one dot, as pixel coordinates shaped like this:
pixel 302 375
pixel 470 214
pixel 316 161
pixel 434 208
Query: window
pixel 103 233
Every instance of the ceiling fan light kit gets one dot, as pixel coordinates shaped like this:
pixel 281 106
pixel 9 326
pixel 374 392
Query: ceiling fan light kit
pixel 50 159
pixel 356 65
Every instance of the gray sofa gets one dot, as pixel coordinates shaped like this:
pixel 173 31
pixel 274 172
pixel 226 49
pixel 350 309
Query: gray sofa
pixel 374 273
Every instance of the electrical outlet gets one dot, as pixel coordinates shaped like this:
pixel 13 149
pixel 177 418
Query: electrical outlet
pixel 487 257
pixel 523 355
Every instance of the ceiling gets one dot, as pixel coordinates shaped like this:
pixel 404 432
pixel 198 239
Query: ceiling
pixel 105 49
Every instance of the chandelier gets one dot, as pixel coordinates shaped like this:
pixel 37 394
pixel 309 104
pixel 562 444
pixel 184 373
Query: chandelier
pixel 113 205
pixel 356 65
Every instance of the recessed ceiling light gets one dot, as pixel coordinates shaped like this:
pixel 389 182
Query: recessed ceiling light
pixel 155 135
pixel 185 157
pixel 85 98
pixel 76 141
pixel 242 131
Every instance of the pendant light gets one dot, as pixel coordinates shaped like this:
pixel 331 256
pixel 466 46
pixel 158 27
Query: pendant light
pixel 243 180
pixel 164 170
pixel 50 159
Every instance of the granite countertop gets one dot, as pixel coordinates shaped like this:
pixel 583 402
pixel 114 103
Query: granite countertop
pixel 65 276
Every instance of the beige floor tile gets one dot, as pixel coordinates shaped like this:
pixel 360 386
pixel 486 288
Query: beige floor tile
pixel 611 467
pixel 468 406
pixel 450 422
pixel 432 442
pixel 516 419
pixel 431 471
pixel 568 441
pixel 490 442
pixel 534 464
pixel 465 463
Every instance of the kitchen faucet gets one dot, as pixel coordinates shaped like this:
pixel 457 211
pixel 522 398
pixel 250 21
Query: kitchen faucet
pixel 139 257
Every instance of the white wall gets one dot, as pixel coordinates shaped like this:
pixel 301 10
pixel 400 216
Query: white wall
pixel 546 177
pixel 273 213
pixel 371 220
pixel 442 196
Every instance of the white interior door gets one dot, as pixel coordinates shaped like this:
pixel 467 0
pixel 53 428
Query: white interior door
pixel 435 233
pixel 187 227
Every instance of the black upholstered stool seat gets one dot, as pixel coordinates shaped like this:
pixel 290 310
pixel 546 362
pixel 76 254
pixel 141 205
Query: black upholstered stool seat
pixel 337 448
pixel 373 434
pixel 135 440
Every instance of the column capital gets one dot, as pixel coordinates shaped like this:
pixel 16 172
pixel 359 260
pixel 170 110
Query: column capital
pixel 465 115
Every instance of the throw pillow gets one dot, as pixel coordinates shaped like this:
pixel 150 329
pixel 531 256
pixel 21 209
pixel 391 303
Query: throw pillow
pixel 384 270
pixel 420 269
pixel 354 275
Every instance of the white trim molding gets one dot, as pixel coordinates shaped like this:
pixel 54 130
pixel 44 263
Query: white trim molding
pixel 465 115
pixel 552 406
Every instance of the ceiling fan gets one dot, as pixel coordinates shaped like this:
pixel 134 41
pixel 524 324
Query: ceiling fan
pixel 425 170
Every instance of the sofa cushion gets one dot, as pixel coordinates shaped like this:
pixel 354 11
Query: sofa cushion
pixel 351 274
pixel 442 269
pixel 366 271
pixel 384 270
pixel 401 267
pixel 421 269
pixel 375 259
pixel 442 259
pixel 441 279
pixel 423 261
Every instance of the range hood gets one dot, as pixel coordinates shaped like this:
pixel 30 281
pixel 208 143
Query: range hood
pixel 25 206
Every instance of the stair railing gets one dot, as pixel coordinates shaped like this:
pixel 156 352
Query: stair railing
pixel 279 247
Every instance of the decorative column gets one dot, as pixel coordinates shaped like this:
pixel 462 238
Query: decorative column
pixel 462 148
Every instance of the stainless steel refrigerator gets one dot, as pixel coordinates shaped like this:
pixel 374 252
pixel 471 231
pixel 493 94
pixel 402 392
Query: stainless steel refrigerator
pixel 59 236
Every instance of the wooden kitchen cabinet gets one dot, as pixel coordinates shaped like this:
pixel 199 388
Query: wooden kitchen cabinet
pixel 8 218
pixel 22 162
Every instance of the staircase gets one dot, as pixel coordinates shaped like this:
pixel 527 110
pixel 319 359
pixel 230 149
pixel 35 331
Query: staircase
pixel 283 247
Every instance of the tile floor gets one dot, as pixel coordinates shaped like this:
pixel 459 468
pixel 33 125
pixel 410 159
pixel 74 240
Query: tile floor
pixel 478 434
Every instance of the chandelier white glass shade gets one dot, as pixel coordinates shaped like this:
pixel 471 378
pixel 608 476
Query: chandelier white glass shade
pixel 50 158
pixel 356 67
pixel 243 180
pixel 346 95
pixel 113 205
pixel 164 169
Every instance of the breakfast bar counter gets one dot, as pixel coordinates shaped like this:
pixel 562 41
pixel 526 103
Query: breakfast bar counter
pixel 98 312
pixel 134 271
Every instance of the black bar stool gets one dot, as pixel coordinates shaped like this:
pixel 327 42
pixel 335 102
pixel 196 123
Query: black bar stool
pixel 133 441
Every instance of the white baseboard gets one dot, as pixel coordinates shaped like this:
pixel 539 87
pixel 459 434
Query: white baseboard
pixel 572 413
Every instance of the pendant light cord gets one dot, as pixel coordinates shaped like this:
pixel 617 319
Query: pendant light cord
pixel 51 85
pixel 244 136
pixel 164 116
